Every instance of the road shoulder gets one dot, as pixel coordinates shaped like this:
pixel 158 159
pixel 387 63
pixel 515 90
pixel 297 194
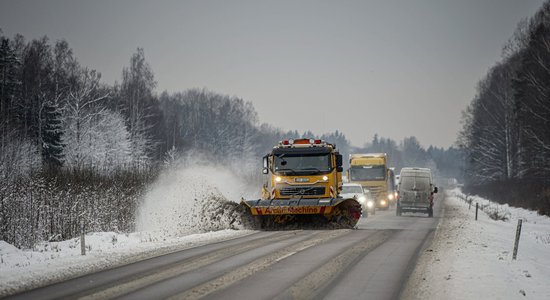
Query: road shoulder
pixel 421 283
pixel 472 259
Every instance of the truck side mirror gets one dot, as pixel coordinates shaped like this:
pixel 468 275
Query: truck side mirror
pixel 339 169
pixel 435 190
pixel 266 165
pixel 339 161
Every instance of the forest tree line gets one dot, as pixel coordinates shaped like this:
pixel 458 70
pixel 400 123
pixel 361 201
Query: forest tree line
pixel 506 133
pixel 75 150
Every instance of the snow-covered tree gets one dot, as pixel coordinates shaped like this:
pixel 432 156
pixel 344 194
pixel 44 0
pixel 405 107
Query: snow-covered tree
pixel 101 143
pixel 490 133
pixel 140 107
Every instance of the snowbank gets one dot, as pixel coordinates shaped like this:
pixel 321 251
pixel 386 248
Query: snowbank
pixel 471 259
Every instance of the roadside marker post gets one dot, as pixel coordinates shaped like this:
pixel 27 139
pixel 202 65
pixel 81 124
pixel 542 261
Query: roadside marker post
pixel 477 206
pixel 82 239
pixel 516 243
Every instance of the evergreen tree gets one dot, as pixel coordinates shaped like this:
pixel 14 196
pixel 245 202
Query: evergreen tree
pixel 9 86
pixel 51 136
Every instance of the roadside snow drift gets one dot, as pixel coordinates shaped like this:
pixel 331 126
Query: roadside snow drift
pixel 471 259
pixel 195 199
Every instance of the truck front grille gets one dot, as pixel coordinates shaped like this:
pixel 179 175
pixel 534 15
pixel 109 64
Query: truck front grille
pixel 302 191
pixel 376 191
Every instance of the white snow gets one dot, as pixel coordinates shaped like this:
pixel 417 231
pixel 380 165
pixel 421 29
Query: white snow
pixel 473 259
pixel 188 206
pixel 468 259
pixel 54 261
pixel 176 203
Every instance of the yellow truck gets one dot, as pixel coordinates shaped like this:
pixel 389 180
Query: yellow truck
pixel 303 183
pixel 372 172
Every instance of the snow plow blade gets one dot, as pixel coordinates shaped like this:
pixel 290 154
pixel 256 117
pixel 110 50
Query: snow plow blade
pixel 345 212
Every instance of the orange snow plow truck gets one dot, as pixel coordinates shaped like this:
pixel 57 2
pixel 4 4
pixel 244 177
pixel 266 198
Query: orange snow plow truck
pixel 303 182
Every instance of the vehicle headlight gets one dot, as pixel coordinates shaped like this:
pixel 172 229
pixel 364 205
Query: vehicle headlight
pixel 383 202
pixel 370 204
pixel 325 178
pixel 390 196
pixel 278 179
pixel 362 199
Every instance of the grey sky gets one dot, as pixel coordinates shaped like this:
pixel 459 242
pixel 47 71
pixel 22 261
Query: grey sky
pixel 396 68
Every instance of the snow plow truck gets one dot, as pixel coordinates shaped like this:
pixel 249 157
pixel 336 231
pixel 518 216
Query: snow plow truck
pixel 303 182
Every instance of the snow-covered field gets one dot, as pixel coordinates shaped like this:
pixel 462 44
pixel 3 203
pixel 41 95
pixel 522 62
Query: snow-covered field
pixel 473 259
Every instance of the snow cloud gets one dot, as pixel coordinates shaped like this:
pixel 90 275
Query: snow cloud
pixel 195 197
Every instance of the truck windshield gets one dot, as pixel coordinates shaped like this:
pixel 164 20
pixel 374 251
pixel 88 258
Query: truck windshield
pixel 414 183
pixel 365 173
pixel 302 163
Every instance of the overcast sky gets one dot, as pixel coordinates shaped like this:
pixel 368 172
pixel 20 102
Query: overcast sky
pixel 396 68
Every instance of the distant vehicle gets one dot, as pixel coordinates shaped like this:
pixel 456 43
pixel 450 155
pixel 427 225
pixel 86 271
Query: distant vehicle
pixel 356 191
pixel 371 171
pixel 415 191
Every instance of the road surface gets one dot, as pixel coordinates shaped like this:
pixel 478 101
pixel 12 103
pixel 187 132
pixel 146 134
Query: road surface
pixel 372 261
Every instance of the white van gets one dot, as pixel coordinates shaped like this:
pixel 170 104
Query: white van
pixel 415 191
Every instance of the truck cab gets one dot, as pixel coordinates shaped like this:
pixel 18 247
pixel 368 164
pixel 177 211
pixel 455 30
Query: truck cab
pixel 303 185
pixel 303 168
pixel 372 172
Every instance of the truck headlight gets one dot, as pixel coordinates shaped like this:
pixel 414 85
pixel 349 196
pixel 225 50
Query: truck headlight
pixel 383 202
pixel 325 178
pixel 362 199
pixel 278 179
pixel 370 204
pixel 390 196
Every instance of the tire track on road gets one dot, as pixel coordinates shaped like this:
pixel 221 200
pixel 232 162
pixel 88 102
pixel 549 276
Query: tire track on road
pixel 314 285
pixel 107 278
pixel 258 265
pixel 187 265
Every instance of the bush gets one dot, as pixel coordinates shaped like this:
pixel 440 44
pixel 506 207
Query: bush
pixel 51 206
pixel 529 194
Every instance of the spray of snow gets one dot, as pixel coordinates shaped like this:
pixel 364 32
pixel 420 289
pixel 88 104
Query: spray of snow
pixel 196 197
